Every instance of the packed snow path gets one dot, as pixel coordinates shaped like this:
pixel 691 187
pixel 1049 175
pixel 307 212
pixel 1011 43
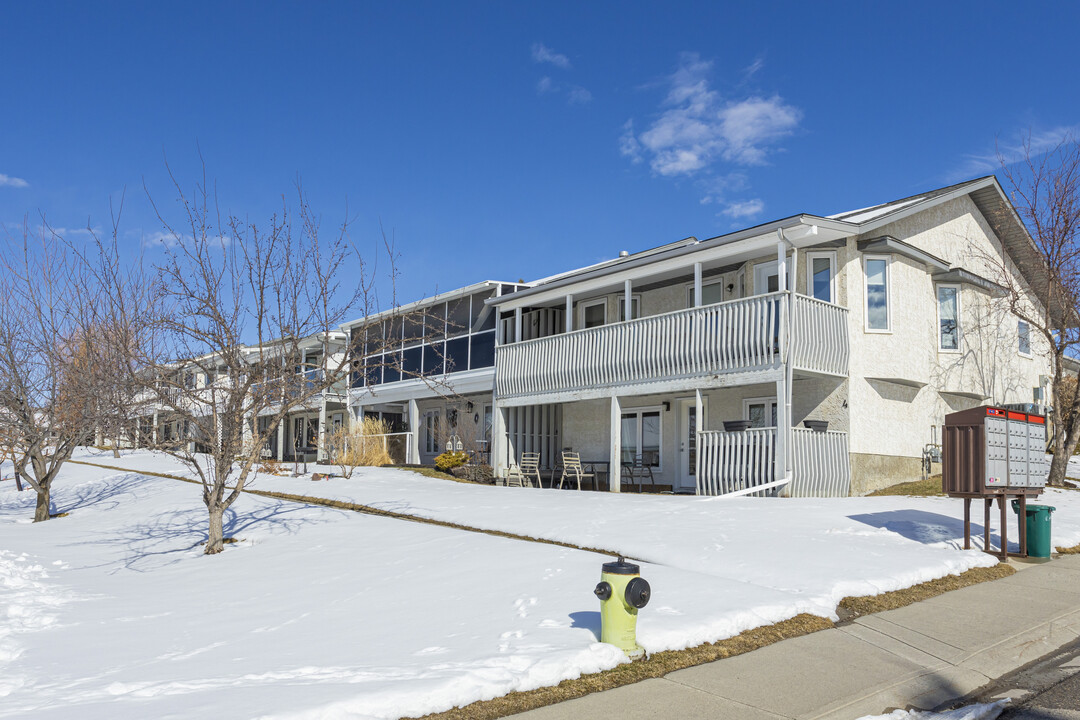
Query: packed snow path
pixel 114 612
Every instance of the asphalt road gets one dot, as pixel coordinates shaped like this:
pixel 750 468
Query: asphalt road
pixel 1047 689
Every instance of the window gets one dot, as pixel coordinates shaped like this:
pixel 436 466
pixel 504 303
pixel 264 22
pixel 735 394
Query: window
pixel 820 275
pixel 948 302
pixel 877 294
pixel 431 431
pixel 594 313
pixel 635 307
pixel 761 412
pixel 1023 334
pixel 641 436
pixel 711 294
pixel 482 348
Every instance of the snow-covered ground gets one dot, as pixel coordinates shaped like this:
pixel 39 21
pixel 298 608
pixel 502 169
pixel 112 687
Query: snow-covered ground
pixel 981 711
pixel 114 612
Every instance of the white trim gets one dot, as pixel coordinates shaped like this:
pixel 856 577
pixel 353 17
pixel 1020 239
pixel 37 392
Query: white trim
pixel 762 273
pixel 888 295
pixel 959 324
pixel 764 400
pixel 829 255
pixel 634 297
pixel 639 411
pixel 593 303
pixel 1019 352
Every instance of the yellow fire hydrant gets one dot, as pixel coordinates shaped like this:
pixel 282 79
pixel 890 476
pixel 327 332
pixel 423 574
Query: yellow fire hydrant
pixel 622 592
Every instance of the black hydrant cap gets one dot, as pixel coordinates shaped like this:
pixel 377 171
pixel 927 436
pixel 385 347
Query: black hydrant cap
pixel 621 567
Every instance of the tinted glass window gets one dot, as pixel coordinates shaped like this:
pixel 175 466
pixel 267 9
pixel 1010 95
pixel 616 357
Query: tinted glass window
pixel 435 321
pixel 457 355
pixel 877 294
pixel 458 316
pixel 821 272
pixel 433 358
pixel 414 326
pixel 391 367
pixel 483 350
pixel 410 363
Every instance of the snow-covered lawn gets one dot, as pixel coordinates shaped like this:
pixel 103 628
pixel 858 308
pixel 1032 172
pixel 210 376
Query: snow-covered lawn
pixel 114 612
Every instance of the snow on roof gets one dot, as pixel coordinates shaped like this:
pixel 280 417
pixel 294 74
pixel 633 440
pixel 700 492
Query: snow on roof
pixel 874 212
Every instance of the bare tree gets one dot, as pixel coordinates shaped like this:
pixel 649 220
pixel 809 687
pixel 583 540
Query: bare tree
pixel 46 400
pixel 1045 190
pixel 233 302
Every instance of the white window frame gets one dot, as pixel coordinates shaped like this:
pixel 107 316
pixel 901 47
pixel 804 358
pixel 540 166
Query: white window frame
pixel 593 303
pixel 639 411
pixel 1018 350
pixel 430 440
pixel 887 330
pixel 690 291
pixel 766 400
pixel 635 298
pixel 959 324
pixel 831 257
pixel 762 271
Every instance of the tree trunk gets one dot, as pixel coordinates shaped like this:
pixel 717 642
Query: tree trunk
pixel 41 512
pixel 18 481
pixel 215 541
pixel 116 449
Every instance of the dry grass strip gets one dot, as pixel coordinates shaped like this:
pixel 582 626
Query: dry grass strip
pixel 658 664
pixel 368 510
pixel 1074 550
pixel 922 488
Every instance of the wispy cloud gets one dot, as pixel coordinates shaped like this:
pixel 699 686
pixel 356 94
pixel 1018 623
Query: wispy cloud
pixel 1011 150
pixel 10 181
pixel 743 209
pixel 574 94
pixel 541 53
pixel 701 134
pixel 698 128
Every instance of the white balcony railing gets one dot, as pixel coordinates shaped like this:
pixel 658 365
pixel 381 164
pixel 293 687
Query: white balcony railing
pixel 726 337
pixel 821 467
pixel 734 462
pixel 819 336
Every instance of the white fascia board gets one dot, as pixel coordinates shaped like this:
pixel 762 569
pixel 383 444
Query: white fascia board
pixel 909 210
pixel 801 230
pixel 463 383
pixel 426 302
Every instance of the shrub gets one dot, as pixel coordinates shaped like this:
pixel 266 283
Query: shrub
pixel 364 444
pixel 450 460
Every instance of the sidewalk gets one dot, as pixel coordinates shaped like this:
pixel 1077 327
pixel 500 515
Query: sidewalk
pixel 919 656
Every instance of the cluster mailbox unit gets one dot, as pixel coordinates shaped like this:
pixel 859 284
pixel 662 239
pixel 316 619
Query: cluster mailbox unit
pixel 991 452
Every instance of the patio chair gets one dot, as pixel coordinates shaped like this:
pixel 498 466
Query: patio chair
pixel 515 478
pixel 638 469
pixel 530 468
pixel 572 468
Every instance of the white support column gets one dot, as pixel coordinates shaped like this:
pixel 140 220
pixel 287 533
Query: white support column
pixel 281 439
pixel 615 464
pixel 499 447
pixel 783 430
pixel 781 263
pixel 517 325
pixel 414 429
pixel 320 451
pixel 154 430
pixel 628 295
pixel 697 284
pixel 699 414
pixel 569 313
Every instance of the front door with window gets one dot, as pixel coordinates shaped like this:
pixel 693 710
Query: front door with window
pixel 687 444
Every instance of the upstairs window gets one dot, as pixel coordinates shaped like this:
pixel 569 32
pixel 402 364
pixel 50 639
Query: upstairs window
pixel 594 314
pixel 819 275
pixel 1023 334
pixel 877 293
pixel 948 300
pixel 635 307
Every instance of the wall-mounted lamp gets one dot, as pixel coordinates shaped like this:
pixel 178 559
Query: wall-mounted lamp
pixel 667 406
pixel 468 407
pixel 731 287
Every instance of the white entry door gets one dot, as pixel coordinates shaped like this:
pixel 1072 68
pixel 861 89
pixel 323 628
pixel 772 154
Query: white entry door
pixel 687 439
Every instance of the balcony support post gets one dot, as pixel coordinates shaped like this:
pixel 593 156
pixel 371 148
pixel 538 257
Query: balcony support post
pixel 413 413
pixel 154 430
pixel 628 302
pixel 281 439
pixel 697 284
pixel 517 325
pixel 615 463
pixel 500 444
pixel 569 323
pixel 320 451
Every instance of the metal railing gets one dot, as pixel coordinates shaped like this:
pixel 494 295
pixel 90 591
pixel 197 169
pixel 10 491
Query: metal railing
pixel 733 462
pixel 821 464
pixel 819 336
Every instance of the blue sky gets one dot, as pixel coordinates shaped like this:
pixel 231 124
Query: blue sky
pixel 512 140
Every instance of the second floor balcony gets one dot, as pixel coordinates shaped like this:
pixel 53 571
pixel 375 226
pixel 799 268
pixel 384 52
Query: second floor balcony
pixel 752 335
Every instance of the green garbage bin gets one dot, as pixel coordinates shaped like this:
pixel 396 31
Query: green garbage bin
pixel 1038 528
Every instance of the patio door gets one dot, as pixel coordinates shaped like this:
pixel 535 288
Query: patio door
pixel 688 421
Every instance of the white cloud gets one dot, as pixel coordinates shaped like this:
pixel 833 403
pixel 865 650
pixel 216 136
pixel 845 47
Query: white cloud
pixel 698 128
pixel 628 143
pixel 9 181
pixel 578 95
pixel 751 70
pixel 545 85
pixel 543 54
pixel 1013 150
pixel 742 209
pixel 159 238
